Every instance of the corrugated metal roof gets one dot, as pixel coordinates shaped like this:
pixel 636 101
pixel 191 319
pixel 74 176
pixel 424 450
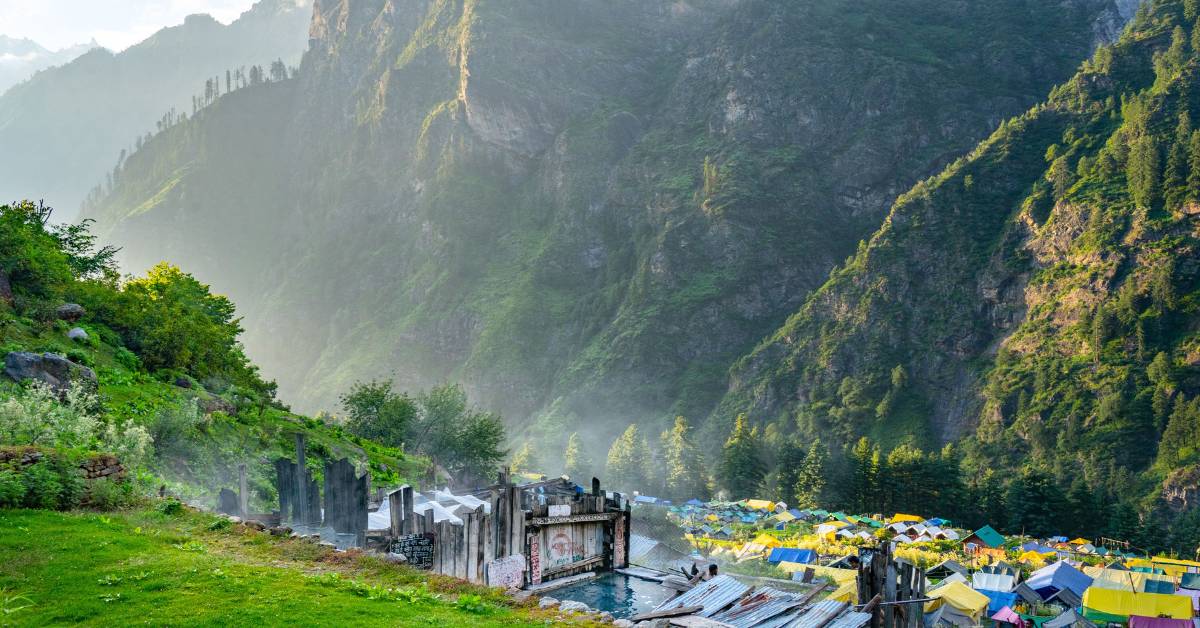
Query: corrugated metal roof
pixel 851 619
pixel 713 595
pixel 818 614
pixel 760 606
pixel 640 545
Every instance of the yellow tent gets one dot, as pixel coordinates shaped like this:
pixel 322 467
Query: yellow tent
pixel 712 518
pixel 963 598
pixel 1035 557
pixel 785 517
pixel 1121 579
pixel 1080 542
pixel 1111 604
pixel 845 579
pixel 898 518
pixel 760 504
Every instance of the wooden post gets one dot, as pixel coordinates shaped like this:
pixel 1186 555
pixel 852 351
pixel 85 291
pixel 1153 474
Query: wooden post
pixel 300 515
pixel 243 492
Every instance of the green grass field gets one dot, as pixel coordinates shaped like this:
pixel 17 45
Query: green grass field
pixel 191 569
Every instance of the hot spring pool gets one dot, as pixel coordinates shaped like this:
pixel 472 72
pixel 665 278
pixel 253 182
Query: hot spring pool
pixel 623 596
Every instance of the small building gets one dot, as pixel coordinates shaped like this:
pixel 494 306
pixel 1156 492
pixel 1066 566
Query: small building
pixel 985 541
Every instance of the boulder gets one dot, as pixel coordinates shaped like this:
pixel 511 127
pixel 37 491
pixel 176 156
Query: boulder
pixel 183 382
pixel 571 606
pixel 623 623
pixel 77 333
pixel 255 524
pixel 70 312
pixel 547 602
pixel 216 404
pixel 49 368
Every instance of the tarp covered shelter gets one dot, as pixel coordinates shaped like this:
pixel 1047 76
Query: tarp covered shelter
pixel 1007 615
pixel 792 555
pixel 1137 621
pixel 903 518
pixel 961 598
pixel 760 504
pixel 1111 605
pixel 1002 582
pixel 1050 580
pixel 1125 580
pixel 998 600
pixel 1069 619
pixel 1190 581
pixel 942 570
pixel 1194 595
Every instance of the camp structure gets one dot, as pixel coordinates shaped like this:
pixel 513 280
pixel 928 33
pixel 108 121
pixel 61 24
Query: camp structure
pixel 944 569
pixel 1061 582
pixel 1114 606
pixel 1125 580
pixel 792 555
pixel 1069 619
pixel 956 604
pixel 985 541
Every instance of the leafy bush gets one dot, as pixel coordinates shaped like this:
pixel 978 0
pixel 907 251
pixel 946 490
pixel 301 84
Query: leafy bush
pixel 170 506
pixel 42 487
pixel 12 489
pixel 106 494
pixel 173 428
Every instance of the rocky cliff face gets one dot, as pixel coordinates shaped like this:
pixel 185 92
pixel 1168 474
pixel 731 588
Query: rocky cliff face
pixel 582 209
pixel 1037 296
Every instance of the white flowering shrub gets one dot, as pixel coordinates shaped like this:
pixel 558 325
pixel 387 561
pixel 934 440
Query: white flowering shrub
pixel 36 416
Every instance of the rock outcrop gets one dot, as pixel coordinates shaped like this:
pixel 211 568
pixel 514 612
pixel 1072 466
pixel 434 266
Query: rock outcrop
pixel 49 368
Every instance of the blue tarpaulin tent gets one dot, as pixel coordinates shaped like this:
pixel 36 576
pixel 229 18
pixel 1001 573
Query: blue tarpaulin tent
pixel 694 502
pixel 792 555
pixel 1190 581
pixel 1051 579
pixel 997 600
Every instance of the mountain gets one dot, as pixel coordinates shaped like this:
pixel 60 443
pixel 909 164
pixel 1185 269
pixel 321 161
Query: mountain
pixel 81 115
pixel 584 210
pixel 22 58
pixel 1039 297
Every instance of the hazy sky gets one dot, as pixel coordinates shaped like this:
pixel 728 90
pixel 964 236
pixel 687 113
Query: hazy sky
pixel 116 24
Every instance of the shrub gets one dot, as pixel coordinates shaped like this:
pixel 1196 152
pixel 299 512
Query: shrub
pixel 12 489
pixel 170 506
pixel 35 416
pixel 42 486
pixel 106 494
pixel 173 427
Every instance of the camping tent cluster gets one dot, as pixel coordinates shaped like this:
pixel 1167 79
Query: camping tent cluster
pixel 1056 582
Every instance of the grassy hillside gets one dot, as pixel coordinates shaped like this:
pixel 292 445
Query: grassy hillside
pixel 168 566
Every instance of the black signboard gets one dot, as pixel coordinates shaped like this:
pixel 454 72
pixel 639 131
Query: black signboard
pixel 417 549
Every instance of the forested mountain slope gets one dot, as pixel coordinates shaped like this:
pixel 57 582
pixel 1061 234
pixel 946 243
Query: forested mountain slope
pixel 1040 296
pixel 586 210
pixel 73 121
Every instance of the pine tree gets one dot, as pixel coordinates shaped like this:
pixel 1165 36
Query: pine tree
pixel 1175 179
pixel 684 464
pixel 810 481
pixel 863 489
pixel 741 468
pixel 576 464
pixel 787 471
pixel 1191 9
pixel 1142 172
pixel 627 460
pixel 1193 177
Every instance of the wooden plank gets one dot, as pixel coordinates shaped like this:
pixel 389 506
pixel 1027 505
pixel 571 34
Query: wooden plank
pixel 474 566
pixel 587 562
pixel 596 516
pixel 301 514
pixel 243 492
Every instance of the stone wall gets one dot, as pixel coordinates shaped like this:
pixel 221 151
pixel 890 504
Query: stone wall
pixel 93 467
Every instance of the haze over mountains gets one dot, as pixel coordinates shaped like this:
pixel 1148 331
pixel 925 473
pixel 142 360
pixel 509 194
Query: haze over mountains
pixel 597 213
pixel 81 115
pixel 20 58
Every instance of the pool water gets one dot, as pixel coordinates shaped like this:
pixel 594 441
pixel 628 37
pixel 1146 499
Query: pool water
pixel 623 596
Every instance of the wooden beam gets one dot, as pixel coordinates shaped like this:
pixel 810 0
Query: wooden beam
pixel 599 516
